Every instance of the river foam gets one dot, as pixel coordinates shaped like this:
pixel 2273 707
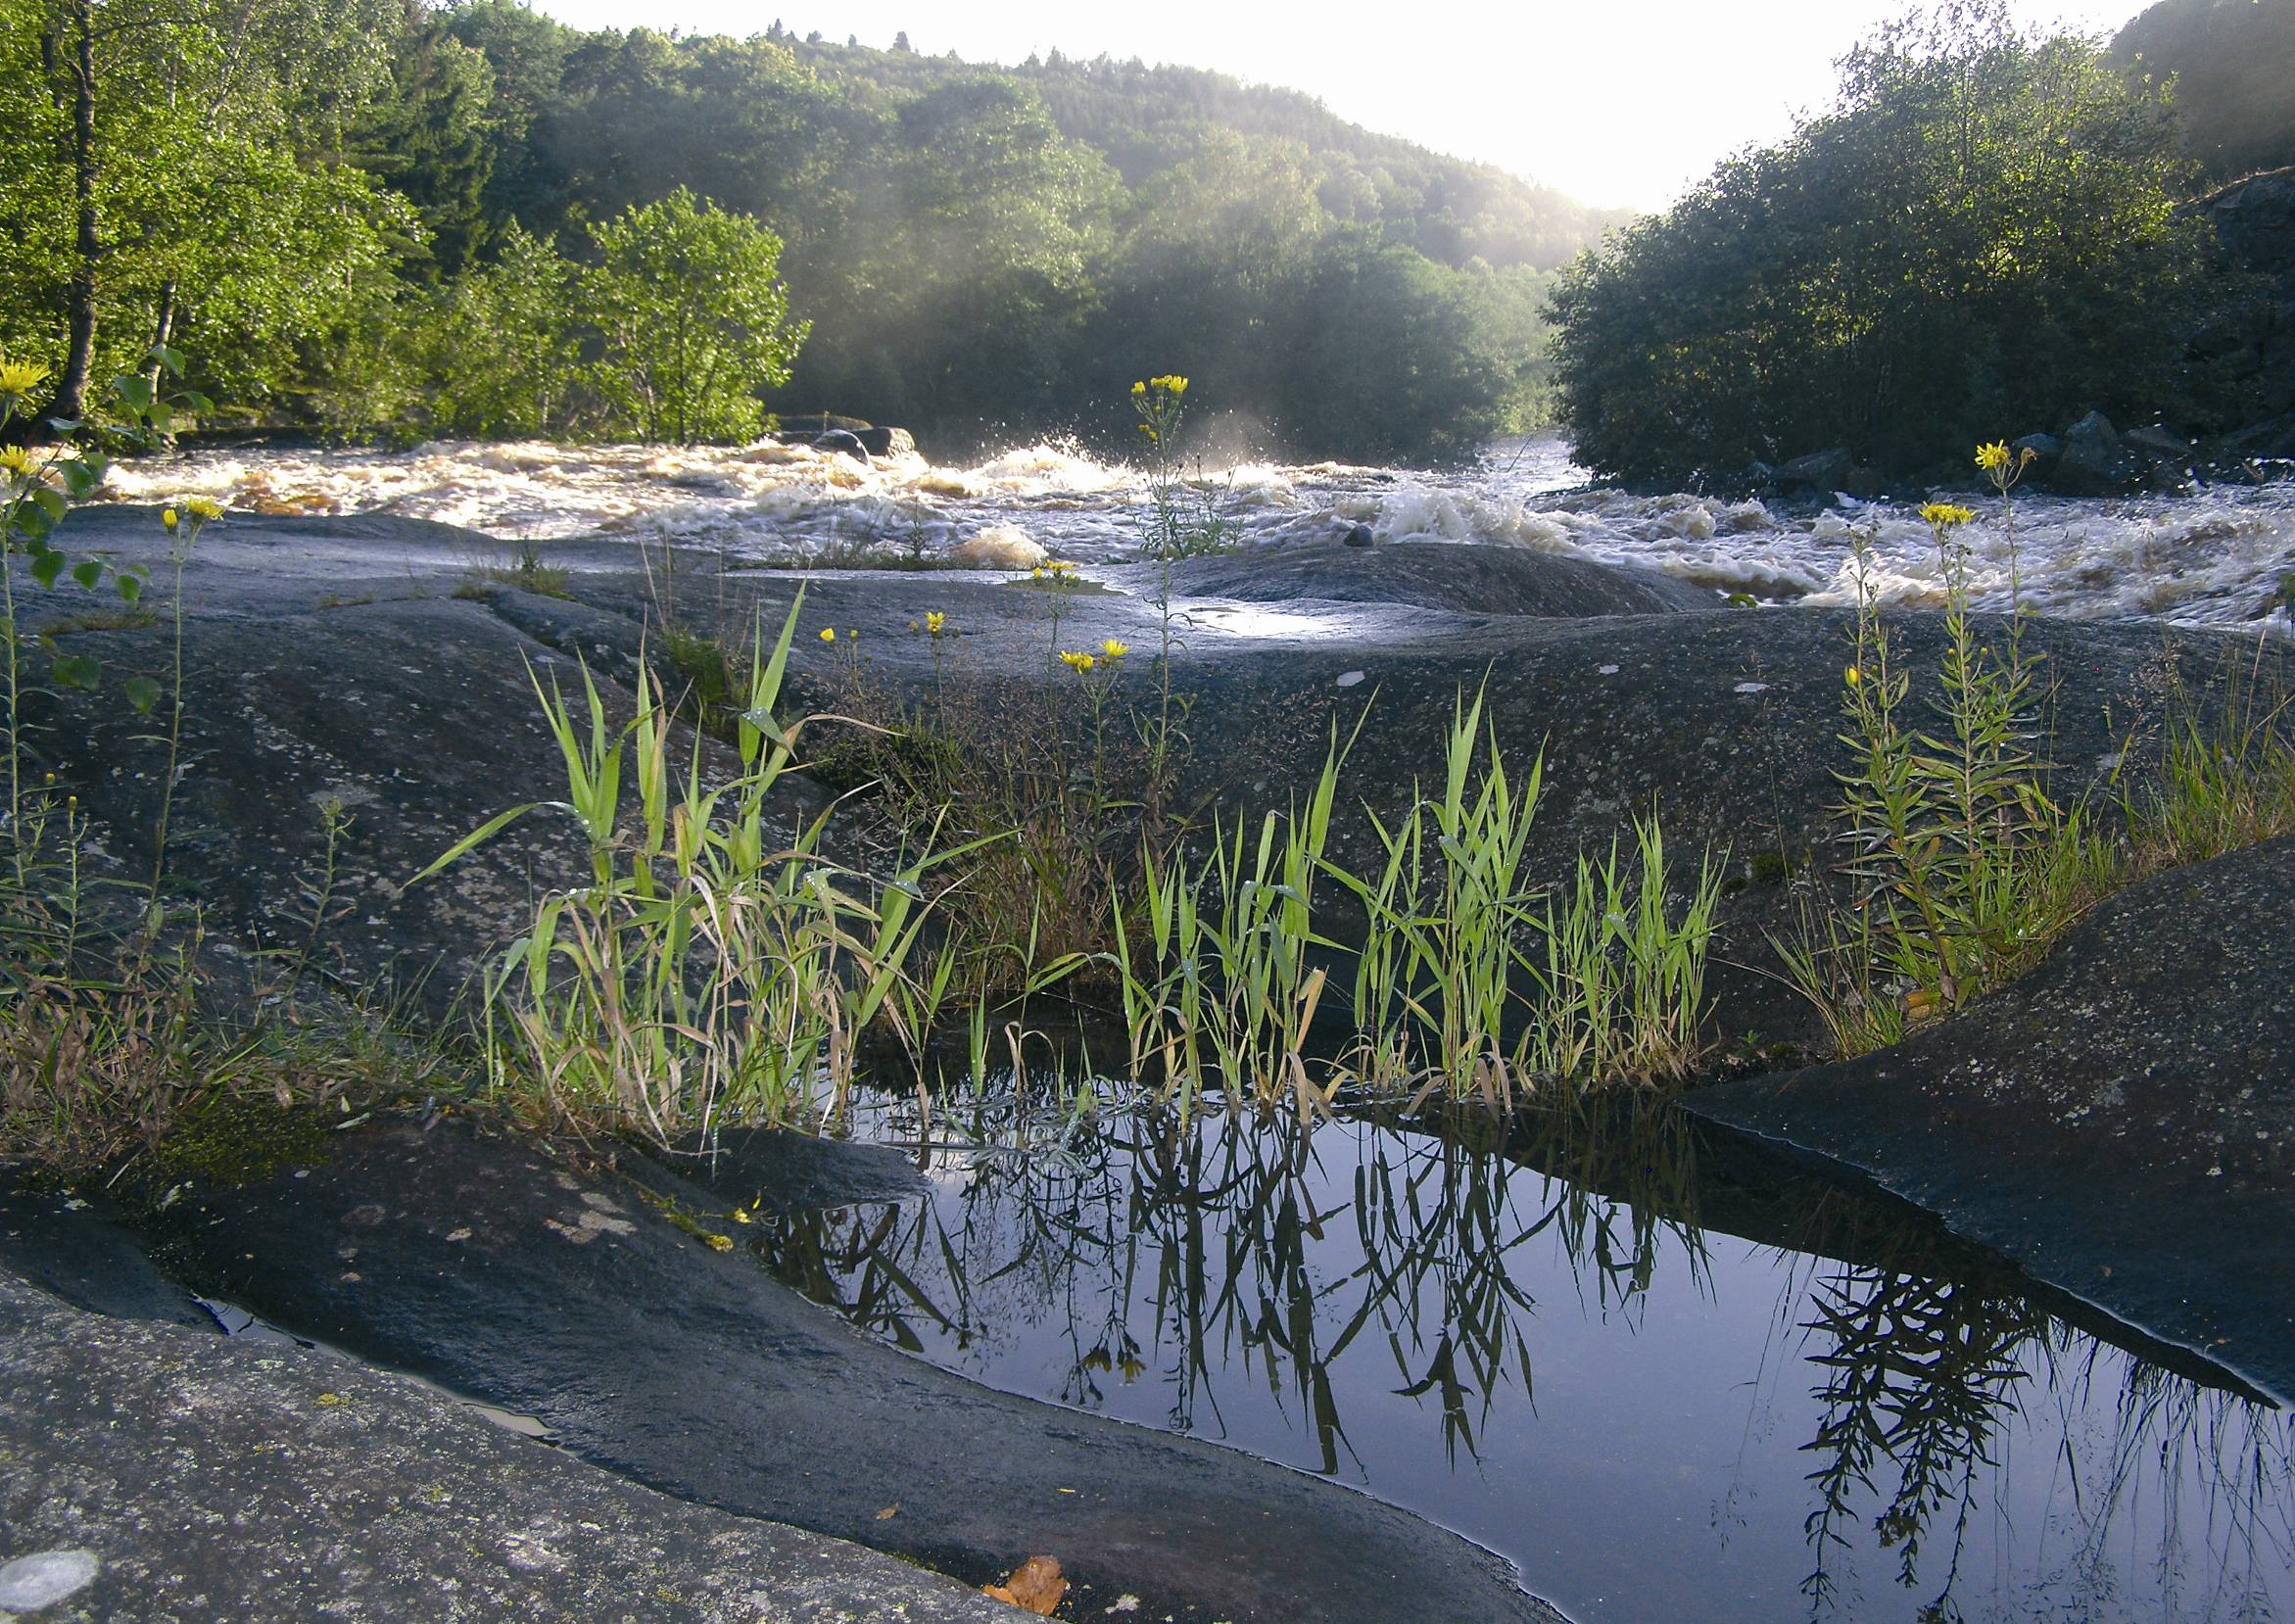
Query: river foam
pixel 2215 556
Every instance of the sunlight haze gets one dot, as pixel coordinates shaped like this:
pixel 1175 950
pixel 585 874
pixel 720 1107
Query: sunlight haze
pixel 1622 102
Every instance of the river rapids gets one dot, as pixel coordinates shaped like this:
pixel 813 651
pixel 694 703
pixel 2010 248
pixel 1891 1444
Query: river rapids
pixel 2213 556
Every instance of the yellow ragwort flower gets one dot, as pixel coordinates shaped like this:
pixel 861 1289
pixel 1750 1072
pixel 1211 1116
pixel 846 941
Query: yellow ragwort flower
pixel 1993 457
pixel 828 633
pixel 1076 661
pixel 203 509
pixel 1139 389
pixel 1854 676
pixel 167 518
pixel 1947 515
pixel 20 377
pixel 936 622
pixel 1114 648
pixel 18 461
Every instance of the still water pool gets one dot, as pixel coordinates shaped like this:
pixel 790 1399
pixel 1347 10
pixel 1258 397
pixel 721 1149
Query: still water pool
pixel 1671 1380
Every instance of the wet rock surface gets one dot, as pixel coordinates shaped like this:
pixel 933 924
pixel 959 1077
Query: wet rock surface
pixel 152 1472
pixel 375 663
pixel 572 1296
pixel 2121 1120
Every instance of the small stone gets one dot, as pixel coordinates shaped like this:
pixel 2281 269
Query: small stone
pixel 45 1578
pixel 1349 679
pixel 1750 687
pixel 1359 536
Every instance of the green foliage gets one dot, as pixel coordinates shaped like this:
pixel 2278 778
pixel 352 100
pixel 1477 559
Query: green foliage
pixel 693 318
pixel 1952 838
pixel 503 345
pixel 710 971
pixel 168 176
pixel 1982 230
pixel 1961 868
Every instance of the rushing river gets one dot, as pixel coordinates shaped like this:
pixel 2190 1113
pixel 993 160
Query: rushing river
pixel 1668 1387
pixel 2214 555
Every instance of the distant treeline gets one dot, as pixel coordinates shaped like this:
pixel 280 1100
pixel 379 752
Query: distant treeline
pixel 366 215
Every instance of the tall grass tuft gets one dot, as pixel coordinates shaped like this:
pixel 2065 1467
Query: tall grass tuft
pixel 715 966
pixel 1471 982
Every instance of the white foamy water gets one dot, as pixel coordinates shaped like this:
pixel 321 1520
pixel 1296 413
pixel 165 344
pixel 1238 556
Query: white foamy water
pixel 2212 556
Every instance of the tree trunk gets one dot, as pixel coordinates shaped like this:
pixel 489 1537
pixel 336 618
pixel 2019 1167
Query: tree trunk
pixel 163 331
pixel 79 302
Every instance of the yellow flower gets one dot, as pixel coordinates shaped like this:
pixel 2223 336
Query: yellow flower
pixel 20 377
pixel 1945 515
pixel 167 518
pixel 203 509
pixel 1114 648
pixel 828 633
pixel 18 461
pixel 1854 676
pixel 936 622
pixel 1076 661
pixel 1993 457
pixel 1139 389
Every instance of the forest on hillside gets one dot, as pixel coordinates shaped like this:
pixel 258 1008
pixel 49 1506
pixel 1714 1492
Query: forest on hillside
pixel 388 217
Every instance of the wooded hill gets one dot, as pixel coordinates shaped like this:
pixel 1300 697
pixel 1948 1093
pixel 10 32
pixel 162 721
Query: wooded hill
pixel 369 215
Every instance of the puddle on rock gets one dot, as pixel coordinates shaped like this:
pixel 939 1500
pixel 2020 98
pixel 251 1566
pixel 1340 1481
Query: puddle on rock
pixel 1665 1384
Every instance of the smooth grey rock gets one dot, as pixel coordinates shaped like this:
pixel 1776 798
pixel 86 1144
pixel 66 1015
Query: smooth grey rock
pixel 1360 535
pixel 46 1577
pixel 418 712
pixel 567 1297
pixel 887 442
pixel 221 1479
pixel 2045 449
pixel 2121 1120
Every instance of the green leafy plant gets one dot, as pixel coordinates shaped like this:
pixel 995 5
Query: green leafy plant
pixel 694 315
pixel 715 966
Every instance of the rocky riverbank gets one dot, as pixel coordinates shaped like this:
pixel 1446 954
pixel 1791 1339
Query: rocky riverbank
pixel 2108 1123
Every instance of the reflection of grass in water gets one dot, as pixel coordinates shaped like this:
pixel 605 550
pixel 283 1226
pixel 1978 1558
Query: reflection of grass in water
pixel 1921 1382
pixel 1219 1236
pixel 1262 1258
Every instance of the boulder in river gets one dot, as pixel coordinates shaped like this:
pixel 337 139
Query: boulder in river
pixel 1825 470
pixel 2090 462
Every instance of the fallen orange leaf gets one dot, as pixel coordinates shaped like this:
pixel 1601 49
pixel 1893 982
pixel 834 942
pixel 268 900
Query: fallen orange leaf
pixel 1036 1584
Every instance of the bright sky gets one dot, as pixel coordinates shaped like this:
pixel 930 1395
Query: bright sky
pixel 1614 101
